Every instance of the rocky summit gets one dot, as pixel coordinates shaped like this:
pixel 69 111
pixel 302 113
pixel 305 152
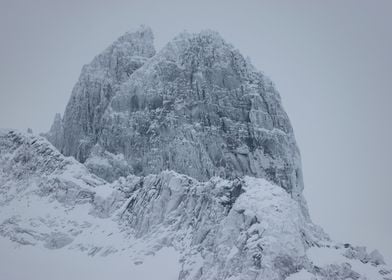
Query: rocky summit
pixel 186 148
pixel 197 107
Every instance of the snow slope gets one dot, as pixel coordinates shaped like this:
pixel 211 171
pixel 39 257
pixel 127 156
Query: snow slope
pixel 58 213
pixel 29 262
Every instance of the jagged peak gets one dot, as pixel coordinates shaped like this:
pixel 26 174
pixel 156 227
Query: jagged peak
pixel 98 82
pixel 138 42
pixel 142 33
pixel 205 35
pixel 205 49
pixel 202 43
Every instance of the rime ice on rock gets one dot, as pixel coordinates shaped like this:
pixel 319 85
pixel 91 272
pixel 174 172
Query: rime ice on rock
pixel 97 84
pixel 196 107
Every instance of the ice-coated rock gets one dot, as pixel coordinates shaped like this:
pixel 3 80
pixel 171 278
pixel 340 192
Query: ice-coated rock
pixel 51 200
pixel 27 160
pixel 107 165
pixel 241 229
pixel 95 88
pixel 199 108
pixel 196 107
pixel 246 228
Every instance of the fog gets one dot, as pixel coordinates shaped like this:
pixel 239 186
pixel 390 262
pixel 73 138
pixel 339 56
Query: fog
pixel 330 60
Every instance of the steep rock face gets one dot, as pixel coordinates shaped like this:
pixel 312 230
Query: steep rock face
pixel 197 107
pixel 248 228
pixel 97 84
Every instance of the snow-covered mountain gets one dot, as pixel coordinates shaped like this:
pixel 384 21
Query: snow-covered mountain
pixel 197 107
pixel 97 84
pixel 188 148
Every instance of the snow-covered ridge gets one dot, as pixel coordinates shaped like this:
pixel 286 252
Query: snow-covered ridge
pixel 247 228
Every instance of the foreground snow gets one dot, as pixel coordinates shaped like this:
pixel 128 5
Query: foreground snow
pixel 31 262
pixel 62 217
pixel 324 257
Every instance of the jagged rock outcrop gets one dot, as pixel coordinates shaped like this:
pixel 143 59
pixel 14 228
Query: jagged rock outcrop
pixel 27 160
pixel 98 82
pixel 196 107
pixel 246 228
pixel 51 200
pixel 225 229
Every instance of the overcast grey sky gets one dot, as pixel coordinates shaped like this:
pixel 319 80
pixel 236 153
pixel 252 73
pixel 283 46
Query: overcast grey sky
pixel 330 60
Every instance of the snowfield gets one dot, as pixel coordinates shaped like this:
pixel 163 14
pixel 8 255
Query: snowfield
pixel 30 262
